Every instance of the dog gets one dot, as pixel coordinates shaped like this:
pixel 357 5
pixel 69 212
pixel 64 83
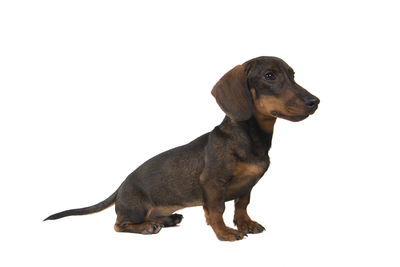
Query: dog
pixel 219 166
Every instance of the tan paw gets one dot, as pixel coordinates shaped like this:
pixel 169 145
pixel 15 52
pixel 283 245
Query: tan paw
pixel 249 226
pixel 229 234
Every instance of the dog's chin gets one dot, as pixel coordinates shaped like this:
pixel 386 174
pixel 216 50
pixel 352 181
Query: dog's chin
pixel 293 118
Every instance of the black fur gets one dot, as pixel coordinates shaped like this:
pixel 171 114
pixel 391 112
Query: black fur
pixel 218 166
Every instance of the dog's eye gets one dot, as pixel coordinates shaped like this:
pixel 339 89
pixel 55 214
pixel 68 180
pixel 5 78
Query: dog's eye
pixel 270 76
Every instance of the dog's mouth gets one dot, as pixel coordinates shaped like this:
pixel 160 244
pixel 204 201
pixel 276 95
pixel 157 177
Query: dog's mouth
pixel 313 109
pixel 292 113
pixel 293 118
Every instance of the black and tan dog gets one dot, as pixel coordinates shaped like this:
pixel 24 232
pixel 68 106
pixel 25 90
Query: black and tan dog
pixel 219 166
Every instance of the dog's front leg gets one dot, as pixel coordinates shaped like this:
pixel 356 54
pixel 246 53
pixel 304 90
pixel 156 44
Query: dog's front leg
pixel 242 220
pixel 214 207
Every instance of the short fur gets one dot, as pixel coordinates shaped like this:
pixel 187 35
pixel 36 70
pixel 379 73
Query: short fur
pixel 218 166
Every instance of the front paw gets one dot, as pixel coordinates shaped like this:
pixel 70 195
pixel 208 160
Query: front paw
pixel 229 234
pixel 248 226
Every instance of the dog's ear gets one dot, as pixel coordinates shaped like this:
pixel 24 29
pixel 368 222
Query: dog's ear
pixel 233 96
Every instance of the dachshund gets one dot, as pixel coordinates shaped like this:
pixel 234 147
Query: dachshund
pixel 219 166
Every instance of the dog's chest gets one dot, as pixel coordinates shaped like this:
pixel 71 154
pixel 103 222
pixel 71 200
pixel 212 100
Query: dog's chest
pixel 247 169
pixel 245 176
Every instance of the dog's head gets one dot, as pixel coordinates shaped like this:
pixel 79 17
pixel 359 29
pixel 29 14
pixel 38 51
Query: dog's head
pixel 263 85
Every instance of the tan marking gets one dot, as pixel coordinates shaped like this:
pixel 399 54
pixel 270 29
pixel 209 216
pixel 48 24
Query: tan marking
pixel 193 203
pixel 206 215
pixel 247 169
pixel 160 211
pixel 148 213
pixel 266 123
pixel 143 228
pixel 265 105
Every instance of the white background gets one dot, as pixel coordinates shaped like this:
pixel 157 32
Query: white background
pixel 91 89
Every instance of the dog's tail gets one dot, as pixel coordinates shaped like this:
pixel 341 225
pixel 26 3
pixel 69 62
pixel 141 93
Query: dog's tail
pixel 92 209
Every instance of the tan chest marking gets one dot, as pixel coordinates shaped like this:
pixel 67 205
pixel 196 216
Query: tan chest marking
pixel 247 169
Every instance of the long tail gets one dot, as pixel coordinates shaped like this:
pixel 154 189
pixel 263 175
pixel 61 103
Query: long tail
pixel 92 209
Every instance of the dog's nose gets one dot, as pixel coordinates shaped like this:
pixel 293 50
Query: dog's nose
pixel 312 103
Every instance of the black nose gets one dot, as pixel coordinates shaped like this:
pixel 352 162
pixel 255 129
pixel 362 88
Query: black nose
pixel 311 103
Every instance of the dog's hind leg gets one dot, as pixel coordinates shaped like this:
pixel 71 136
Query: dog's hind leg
pixel 135 219
pixel 164 215
pixel 145 228
pixel 170 220
pixel 133 209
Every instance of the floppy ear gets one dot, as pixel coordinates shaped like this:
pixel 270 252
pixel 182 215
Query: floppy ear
pixel 233 96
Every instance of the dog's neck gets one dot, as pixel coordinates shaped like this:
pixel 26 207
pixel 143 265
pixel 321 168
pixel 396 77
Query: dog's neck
pixel 258 129
pixel 266 123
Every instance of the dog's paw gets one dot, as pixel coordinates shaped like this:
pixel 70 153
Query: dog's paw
pixel 229 234
pixel 152 228
pixel 176 218
pixel 249 226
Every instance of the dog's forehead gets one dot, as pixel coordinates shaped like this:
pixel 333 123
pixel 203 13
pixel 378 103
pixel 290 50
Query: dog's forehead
pixel 264 63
